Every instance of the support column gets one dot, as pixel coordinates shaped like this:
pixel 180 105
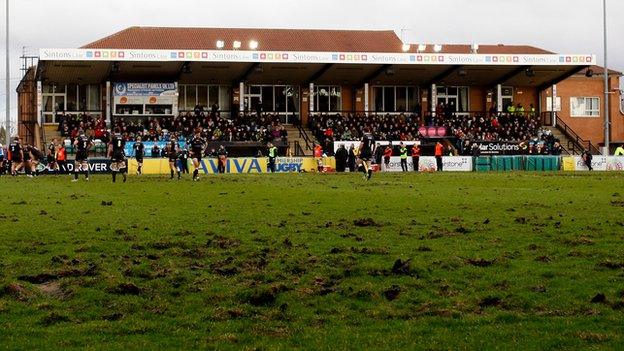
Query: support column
pixel 108 104
pixel 434 99
pixel 366 98
pixel 311 98
pixel 40 118
pixel 499 98
pixel 241 97
pixel 175 107
pixel 554 106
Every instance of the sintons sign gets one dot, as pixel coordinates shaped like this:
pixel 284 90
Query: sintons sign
pixel 312 57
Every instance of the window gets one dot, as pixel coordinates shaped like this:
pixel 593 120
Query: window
pixel 585 107
pixel 507 97
pixel 395 98
pixel 202 95
pixel 328 98
pixel 191 95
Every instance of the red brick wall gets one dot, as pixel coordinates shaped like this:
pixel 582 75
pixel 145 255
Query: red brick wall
pixel 589 128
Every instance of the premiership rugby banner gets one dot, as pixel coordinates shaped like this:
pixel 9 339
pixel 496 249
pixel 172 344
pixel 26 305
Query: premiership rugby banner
pixel 304 164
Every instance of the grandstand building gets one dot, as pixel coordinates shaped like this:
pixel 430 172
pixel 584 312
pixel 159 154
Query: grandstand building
pixel 144 72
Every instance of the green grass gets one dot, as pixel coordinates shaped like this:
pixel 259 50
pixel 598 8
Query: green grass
pixel 494 261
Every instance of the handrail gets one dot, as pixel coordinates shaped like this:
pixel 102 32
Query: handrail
pixel 574 137
pixel 304 136
pixel 297 149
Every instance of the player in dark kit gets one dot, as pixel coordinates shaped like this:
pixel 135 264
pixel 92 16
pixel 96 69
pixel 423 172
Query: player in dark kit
pixel 52 165
pixel 366 149
pixel 82 144
pixel 16 156
pixel 198 144
pixel 139 152
pixel 183 157
pixel 34 159
pixel 172 150
pixel 117 156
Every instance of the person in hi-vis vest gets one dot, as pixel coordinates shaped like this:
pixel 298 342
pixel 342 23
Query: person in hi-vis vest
pixel 272 156
pixel 403 154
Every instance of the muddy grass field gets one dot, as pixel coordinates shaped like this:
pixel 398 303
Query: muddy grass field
pixel 316 262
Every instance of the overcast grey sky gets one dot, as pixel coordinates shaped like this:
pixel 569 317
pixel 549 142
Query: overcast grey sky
pixel 564 26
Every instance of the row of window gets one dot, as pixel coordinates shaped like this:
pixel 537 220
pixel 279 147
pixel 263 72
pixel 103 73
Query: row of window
pixel 282 98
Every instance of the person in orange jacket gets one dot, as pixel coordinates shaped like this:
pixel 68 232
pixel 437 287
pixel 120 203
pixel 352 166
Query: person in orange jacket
pixel 387 154
pixel 318 151
pixel 439 151
pixel 416 157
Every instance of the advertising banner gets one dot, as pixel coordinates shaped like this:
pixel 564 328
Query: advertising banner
pixel 233 165
pixel 428 164
pixel 498 147
pixel 304 164
pixel 457 164
pixel 599 163
pixel 356 144
pixel 96 165
pixel 615 163
pixel 144 89
pixel 183 55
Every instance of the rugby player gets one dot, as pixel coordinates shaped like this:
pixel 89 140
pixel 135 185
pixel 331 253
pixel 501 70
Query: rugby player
pixel 172 150
pixel 82 144
pixel 2 169
pixel 117 156
pixel 139 151
pixel 16 156
pixel 34 158
pixel 198 144
pixel 183 161
pixel 366 153
pixel 52 165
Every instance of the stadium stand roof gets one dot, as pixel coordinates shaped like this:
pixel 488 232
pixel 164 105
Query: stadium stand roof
pixel 172 38
pixel 300 56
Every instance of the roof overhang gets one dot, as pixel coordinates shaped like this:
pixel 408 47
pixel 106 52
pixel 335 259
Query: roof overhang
pixel 225 66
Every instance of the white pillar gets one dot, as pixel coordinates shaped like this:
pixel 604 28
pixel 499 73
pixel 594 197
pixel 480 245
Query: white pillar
pixel 554 105
pixel 40 103
pixel 108 104
pixel 241 97
pixel 366 98
pixel 175 107
pixel 499 98
pixel 311 98
pixel 434 98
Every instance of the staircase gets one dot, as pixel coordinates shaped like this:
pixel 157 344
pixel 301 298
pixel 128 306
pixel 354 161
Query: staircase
pixel 568 146
pixel 50 132
pixel 294 137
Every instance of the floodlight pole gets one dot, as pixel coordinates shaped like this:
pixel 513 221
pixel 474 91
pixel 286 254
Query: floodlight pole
pixel 7 125
pixel 606 83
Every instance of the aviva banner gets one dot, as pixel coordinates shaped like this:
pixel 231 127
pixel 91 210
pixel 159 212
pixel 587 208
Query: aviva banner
pixel 232 165
pixel 207 166
pixel 239 165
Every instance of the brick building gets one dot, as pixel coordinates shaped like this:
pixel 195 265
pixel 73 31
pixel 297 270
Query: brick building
pixel 296 73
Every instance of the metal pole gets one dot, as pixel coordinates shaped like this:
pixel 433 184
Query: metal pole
pixel 7 125
pixel 606 83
